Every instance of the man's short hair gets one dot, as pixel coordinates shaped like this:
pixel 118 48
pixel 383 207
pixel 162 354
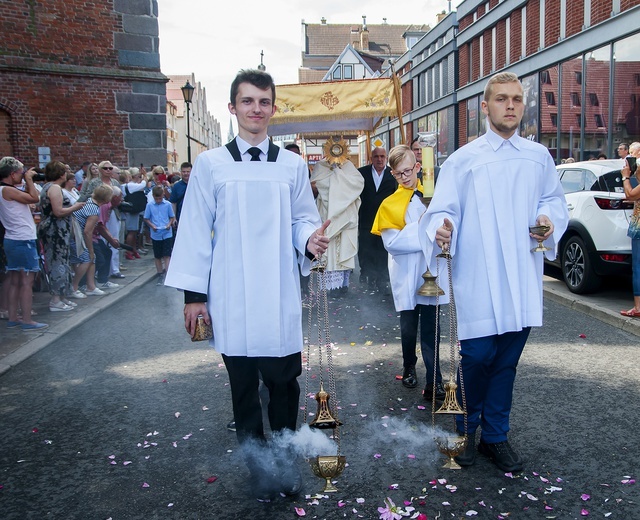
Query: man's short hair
pixel 292 146
pixel 186 164
pixel 634 146
pixel 624 145
pixel 257 78
pixel 157 191
pixel 8 165
pixel 500 78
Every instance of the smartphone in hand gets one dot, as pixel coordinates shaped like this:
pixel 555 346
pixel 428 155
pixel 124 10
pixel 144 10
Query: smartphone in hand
pixel 631 161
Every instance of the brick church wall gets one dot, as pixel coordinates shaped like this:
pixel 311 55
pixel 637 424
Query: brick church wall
pixel 83 78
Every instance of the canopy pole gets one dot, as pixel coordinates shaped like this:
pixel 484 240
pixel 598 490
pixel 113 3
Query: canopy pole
pixel 368 147
pixel 398 90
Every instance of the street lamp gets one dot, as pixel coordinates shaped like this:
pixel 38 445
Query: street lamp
pixel 187 94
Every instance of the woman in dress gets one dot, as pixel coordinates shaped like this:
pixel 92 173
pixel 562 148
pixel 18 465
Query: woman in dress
pixel 54 232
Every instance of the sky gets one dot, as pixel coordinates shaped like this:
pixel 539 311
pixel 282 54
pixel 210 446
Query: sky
pixel 215 39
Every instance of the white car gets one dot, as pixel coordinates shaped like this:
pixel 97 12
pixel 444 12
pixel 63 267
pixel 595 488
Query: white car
pixel 595 244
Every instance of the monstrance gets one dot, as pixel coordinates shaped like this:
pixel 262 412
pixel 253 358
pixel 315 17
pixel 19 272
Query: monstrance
pixel 325 466
pixel 450 445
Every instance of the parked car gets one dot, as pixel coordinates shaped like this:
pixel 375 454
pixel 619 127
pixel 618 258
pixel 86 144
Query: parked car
pixel 595 244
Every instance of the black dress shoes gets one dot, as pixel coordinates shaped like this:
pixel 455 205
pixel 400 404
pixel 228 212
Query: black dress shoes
pixel 428 392
pixel 468 456
pixel 291 477
pixel 502 455
pixel 409 377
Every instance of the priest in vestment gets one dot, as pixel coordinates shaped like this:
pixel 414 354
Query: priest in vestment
pixel 339 186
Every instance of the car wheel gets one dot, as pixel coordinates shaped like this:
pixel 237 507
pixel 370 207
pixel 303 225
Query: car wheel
pixel 576 267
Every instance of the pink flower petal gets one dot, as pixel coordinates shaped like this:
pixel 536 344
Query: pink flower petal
pixel 584 512
pixel 212 479
pixel 411 456
pixel 300 511
pixel 377 456
pixel 585 497
pixel 177 414
pixel 341 503
pixel 145 485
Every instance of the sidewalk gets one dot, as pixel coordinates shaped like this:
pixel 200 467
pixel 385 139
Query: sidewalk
pixel 16 345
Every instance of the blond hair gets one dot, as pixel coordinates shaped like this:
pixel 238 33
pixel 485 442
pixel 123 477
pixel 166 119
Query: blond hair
pixel 500 78
pixel 399 153
pixel 102 193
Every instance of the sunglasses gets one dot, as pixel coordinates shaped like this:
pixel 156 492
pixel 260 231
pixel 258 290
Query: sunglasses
pixel 107 167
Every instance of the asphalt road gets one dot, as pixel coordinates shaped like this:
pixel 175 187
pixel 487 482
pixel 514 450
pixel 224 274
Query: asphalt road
pixel 125 418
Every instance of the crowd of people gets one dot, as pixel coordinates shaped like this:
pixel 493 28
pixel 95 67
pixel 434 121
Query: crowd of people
pixel 68 230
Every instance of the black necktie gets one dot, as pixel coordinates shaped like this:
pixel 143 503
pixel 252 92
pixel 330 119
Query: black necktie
pixel 254 152
pixel 418 193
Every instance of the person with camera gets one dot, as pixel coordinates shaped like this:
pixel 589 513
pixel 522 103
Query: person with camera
pixel 20 240
pixel 54 232
pixel 633 193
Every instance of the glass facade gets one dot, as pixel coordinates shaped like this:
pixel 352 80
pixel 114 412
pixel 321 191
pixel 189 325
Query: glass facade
pixel 589 103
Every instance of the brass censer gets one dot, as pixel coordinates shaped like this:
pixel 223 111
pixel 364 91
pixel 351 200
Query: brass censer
pixel 327 467
pixel 450 445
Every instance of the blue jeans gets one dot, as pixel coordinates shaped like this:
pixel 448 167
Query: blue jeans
pixel 103 261
pixel 489 371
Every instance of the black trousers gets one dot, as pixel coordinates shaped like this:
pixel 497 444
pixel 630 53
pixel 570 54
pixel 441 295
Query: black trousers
pixel 426 316
pixel 280 378
pixel 373 257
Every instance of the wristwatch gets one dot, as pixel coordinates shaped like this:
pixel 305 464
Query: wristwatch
pixel 625 178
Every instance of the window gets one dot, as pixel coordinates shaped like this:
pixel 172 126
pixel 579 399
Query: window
pixel 348 71
pixel 337 73
pixel 551 98
pixel 579 119
pixel 575 99
pixel 636 79
pixel 545 78
pixel 554 119
pixel 599 122
pixel 579 78
pixel 593 99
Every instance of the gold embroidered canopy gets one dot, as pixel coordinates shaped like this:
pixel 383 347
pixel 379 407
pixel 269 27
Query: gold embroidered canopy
pixel 333 106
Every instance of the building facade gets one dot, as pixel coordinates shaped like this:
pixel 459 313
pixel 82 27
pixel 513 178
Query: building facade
pixel 81 81
pixel 578 62
pixel 204 129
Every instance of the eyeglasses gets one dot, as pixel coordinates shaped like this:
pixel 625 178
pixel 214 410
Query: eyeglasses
pixel 107 167
pixel 404 173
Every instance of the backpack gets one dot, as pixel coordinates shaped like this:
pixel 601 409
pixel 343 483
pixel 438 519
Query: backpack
pixel 137 199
